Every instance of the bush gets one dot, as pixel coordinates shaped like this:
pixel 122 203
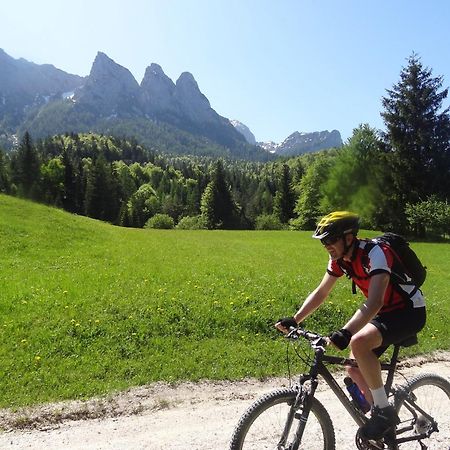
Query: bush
pixel 268 222
pixel 429 217
pixel 160 221
pixel 191 223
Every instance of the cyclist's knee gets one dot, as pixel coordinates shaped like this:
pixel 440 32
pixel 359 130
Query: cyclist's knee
pixel 365 341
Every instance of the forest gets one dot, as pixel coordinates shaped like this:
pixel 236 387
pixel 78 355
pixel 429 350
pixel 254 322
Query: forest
pixel 396 180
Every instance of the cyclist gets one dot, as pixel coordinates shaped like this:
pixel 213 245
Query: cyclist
pixel 390 313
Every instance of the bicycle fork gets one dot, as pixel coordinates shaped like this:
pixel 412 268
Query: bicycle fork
pixel 300 410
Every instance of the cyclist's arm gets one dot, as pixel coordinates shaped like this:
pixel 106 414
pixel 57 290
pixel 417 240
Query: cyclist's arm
pixel 313 301
pixel 373 303
pixel 316 298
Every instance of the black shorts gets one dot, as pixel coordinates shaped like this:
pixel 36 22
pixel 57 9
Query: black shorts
pixel 396 326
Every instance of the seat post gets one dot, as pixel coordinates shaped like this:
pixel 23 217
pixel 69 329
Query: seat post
pixel 408 342
pixel 393 366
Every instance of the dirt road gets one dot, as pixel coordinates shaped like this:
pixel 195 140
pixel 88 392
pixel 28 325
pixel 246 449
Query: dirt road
pixel 189 416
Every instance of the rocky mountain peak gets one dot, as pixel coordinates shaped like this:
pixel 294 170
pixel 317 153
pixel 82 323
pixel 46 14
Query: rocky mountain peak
pixel 110 88
pixel 104 69
pixel 195 105
pixel 157 91
pixel 244 130
pixel 156 70
pixel 298 143
pixel 187 79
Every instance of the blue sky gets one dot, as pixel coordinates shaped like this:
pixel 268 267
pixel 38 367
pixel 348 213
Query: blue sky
pixel 277 66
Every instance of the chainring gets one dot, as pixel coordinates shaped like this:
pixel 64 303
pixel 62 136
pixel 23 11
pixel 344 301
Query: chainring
pixel 364 444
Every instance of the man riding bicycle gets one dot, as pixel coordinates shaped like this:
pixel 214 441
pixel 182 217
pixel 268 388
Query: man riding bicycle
pixel 391 312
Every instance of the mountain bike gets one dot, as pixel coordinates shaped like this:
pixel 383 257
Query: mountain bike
pixel 294 419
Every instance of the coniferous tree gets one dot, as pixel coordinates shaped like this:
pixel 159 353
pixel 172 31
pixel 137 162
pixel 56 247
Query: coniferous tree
pixel 418 133
pixel 217 205
pixel 101 192
pixel 284 202
pixel 72 182
pixel 4 174
pixel 26 167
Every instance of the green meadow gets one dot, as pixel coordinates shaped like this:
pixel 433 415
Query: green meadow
pixel 87 308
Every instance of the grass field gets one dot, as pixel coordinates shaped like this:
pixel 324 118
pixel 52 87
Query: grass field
pixel 87 308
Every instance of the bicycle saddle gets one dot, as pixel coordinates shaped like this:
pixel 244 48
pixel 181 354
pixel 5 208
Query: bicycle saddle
pixel 408 342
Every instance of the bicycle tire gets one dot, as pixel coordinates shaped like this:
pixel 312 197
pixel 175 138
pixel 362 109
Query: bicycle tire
pixel 262 424
pixel 432 393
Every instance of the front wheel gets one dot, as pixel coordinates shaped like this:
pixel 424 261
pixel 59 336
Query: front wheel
pixel 271 423
pixel 423 405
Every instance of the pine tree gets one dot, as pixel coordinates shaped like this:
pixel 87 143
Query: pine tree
pixel 284 202
pixel 217 205
pixel 418 133
pixel 4 173
pixel 26 167
pixel 72 182
pixel 101 200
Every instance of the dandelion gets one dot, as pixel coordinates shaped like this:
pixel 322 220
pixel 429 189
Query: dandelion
pixel 37 358
pixel 97 321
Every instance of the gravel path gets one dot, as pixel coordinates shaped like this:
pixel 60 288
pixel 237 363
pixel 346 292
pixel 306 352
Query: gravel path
pixel 188 416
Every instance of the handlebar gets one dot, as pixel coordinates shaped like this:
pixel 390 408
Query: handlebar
pixel 316 340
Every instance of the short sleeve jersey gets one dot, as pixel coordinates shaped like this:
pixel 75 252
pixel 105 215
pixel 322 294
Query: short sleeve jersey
pixel 368 260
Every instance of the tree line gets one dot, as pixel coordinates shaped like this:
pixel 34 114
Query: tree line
pixel 396 180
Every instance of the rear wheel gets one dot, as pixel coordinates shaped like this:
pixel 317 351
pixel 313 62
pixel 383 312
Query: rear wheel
pixel 431 394
pixel 264 424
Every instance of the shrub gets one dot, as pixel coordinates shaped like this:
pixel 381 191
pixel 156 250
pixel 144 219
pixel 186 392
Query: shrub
pixel 429 217
pixel 160 221
pixel 191 223
pixel 268 222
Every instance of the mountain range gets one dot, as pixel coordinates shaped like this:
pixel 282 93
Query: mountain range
pixel 167 116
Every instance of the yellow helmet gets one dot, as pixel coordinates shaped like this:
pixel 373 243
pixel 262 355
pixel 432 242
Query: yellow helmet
pixel 337 223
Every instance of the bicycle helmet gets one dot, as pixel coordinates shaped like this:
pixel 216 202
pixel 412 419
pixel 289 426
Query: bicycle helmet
pixel 337 224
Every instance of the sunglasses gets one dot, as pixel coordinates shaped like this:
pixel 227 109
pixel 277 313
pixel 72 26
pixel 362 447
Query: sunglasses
pixel 330 240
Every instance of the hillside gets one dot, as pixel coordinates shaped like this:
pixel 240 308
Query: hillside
pixel 88 308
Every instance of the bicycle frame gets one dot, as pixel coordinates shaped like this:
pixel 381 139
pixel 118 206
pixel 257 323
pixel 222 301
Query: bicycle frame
pixel 319 367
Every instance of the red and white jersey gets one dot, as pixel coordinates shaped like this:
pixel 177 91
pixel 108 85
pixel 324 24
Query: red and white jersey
pixel 367 260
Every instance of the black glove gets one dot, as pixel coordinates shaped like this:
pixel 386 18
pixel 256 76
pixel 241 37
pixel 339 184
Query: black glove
pixel 288 322
pixel 341 338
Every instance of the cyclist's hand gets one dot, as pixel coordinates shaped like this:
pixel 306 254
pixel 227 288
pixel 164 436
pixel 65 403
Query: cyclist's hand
pixel 340 338
pixel 284 324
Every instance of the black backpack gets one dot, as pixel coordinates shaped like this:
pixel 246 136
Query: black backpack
pixel 407 262
pixel 406 256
